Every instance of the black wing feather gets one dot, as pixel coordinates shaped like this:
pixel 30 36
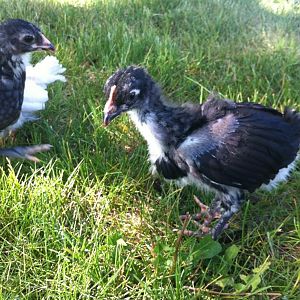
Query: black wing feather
pixel 11 93
pixel 252 154
pixel 168 168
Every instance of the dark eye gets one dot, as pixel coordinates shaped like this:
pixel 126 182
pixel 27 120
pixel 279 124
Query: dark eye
pixel 133 93
pixel 131 96
pixel 28 39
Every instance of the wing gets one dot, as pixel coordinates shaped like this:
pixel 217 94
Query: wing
pixel 244 149
pixel 169 168
pixel 11 94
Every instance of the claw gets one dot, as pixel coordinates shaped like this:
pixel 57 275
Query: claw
pixel 217 210
pixel 25 152
pixel 203 208
pixel 196 217
pixel 206 214
pixel 190 233
pixel 204 211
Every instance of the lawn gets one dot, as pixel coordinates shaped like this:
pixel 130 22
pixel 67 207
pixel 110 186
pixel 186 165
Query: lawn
pixel 89 221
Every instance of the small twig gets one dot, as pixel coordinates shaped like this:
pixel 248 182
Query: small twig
pixel 274 295
pixel 178 243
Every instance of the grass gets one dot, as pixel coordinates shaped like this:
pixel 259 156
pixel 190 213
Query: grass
pixel 89 221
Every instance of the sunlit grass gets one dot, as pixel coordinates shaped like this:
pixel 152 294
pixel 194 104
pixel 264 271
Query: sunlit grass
pixel 90 222
pixel 281 6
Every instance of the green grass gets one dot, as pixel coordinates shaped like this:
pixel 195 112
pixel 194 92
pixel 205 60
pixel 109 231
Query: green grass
pixel 88 222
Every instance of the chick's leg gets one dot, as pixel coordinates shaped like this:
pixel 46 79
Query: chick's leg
pixel 207 214
pixel 26 152
pixel 222 208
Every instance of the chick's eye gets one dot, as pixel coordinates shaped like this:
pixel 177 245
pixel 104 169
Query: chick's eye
pixel 131 96
pixel 134 93
pixel 28 39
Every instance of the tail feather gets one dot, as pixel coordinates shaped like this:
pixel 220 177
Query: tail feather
pixel 45 72
pixel 34 93
pixel 293 117
pixel 38 77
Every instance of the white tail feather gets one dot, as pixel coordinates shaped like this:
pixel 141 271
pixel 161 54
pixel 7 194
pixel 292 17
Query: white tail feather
pixel 45 72
pixel 38 77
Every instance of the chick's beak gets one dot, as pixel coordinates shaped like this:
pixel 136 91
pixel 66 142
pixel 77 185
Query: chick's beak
pixel 108 117
pixel 110 109
pixel 45 44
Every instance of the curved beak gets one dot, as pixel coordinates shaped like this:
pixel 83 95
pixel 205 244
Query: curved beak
pixel 45 44
pixel 111 110
pixel 108 117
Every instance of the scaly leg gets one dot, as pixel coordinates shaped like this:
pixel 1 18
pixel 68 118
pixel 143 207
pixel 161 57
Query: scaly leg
pixel 26 152
pixel 222 208
pixel 208 214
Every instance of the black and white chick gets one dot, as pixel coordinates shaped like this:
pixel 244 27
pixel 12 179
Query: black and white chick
pixel 226 147
pixel 22 95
